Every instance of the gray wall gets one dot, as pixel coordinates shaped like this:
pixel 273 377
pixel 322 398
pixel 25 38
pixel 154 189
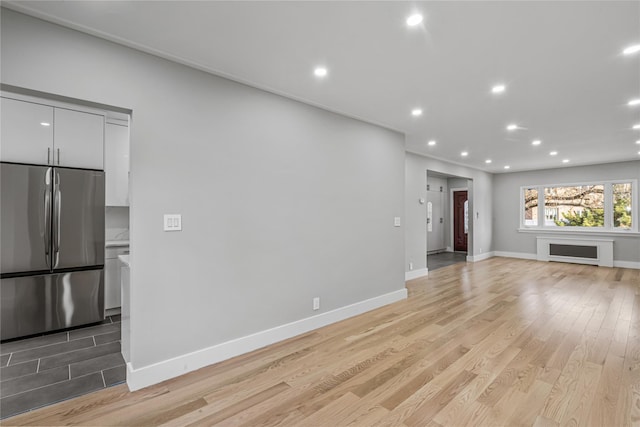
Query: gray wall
pixel 280 201
pixel 506 205
pixel 480 195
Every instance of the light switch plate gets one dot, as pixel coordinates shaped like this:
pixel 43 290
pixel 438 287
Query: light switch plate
pixel 172 222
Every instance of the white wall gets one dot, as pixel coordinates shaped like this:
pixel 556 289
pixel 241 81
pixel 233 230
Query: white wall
pixel 506 205
pixel 281 202
pixel 480 195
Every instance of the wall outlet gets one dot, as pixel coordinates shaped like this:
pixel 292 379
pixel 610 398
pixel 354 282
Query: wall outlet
pixel 410 266
pixel 396 221
pixel 316 303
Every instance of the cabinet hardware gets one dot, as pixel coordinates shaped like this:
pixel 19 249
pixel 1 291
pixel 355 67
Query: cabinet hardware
pixel 48 155
pixel 58 156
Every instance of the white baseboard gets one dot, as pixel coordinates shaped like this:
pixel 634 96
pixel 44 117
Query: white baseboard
pixel 521 255
pixel 627 264
pixel 481 257
pixel 152 374
pixel 414 274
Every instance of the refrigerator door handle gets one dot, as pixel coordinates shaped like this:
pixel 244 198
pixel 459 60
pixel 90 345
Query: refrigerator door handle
pixel 47 217
pixel 57 205
pixel 47 224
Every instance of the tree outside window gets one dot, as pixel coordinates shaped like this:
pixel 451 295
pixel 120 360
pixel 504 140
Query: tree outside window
pixel 578 206
pixel 622 206
pixel 607 206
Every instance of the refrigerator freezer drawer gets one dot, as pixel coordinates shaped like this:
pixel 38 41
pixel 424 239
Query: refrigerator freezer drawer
pixel 36 304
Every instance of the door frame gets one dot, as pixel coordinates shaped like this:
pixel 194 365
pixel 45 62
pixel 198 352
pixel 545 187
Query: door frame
pixel 451 225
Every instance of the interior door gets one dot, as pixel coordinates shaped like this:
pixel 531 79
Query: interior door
pixel 78 238
pixel 460 220
pixel 435 227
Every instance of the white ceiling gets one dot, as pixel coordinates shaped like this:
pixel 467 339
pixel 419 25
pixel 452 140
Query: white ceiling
pixel 568 83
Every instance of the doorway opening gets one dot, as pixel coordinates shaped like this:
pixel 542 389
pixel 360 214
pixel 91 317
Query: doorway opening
pixel 449 222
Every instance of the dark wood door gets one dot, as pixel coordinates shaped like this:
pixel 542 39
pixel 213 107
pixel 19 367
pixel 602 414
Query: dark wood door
pixel 460 223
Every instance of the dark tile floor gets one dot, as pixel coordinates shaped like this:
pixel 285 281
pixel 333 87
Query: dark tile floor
pixel 42 370
pixel 443 259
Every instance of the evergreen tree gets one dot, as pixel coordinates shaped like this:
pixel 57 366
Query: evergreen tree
pixel 587 218
pixel 622 216
pixel 594 217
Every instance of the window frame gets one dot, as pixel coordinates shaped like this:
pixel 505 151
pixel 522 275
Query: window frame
pixel 608 208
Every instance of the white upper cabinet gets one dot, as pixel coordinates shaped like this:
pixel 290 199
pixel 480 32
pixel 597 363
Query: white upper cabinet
pixel 27 132
pixel 50 135
pixel 78 139
pixel 116 164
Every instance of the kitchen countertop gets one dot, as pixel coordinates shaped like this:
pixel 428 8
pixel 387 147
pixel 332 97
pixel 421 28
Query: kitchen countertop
pixel 124 259
pixel 114 243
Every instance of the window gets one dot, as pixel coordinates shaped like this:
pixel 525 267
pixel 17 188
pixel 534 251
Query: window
pixel 530 207
pixel 577 206
pixel 604 206
pixel 622 206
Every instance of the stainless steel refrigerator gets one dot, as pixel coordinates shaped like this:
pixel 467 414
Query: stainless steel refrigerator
pixel 52 248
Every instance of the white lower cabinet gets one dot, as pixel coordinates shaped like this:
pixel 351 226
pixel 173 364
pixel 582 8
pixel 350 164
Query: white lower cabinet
pixel 112 292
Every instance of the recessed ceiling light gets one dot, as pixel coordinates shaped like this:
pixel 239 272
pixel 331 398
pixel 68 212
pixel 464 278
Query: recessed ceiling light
pixel 414 20
pixel 464 153
pixel 320 71
pixel 488 161
pixel 633 102
pixel 431 143
pixel 45 124
pixel 416 112
pixel 565 160
pixel 498 88
pixel 536 142
pixel 631 49
pixel 636 126
pixel 638 141
pixel 512 127
pixel 507 167
pixel 553 153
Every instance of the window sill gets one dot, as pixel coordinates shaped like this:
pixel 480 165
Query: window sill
pixel 565 230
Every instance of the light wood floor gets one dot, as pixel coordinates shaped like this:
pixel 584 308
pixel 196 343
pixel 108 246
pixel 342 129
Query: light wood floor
pixel 498 342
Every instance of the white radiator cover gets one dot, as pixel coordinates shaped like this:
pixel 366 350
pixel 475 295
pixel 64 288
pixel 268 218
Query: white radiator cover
pixel 604 247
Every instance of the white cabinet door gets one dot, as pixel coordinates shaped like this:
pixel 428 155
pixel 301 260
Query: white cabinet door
pixel 27 132
pixel 78 139
pixel 111 283
pixel 112 288
pixel 116 164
